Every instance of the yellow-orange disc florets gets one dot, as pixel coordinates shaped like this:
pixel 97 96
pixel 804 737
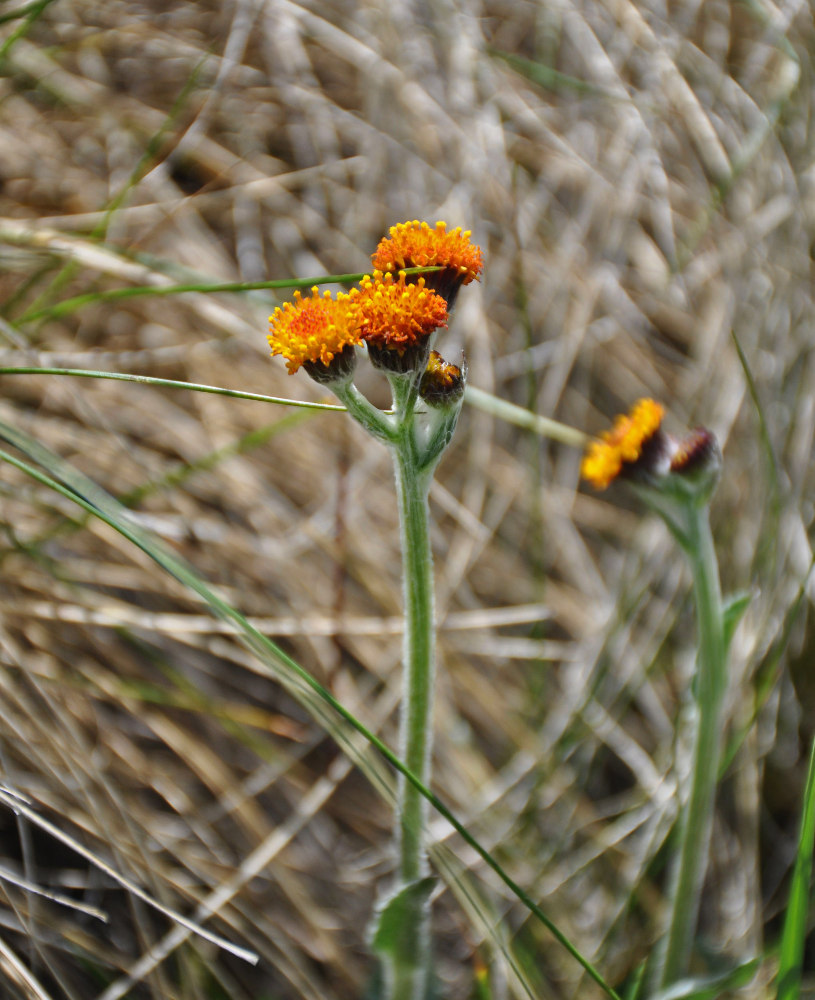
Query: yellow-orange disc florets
pixel 623 444
pixel 394 314
pixel 415 244
pixel 313 329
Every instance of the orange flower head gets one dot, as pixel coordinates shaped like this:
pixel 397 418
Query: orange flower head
pixel 312 331
pixel 623 445
pixel 415 244
pixel 394 314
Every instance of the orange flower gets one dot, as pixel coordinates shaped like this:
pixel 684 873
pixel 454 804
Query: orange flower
pixel 313 330
pixel 415 244
pixel 623 445
pixel 394 314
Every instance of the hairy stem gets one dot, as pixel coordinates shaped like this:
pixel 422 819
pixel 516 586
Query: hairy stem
pixel 409 977
pixel 696 816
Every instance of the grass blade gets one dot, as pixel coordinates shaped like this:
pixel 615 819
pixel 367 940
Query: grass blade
pixel 169 383
pixel 77 302
pixel 795 923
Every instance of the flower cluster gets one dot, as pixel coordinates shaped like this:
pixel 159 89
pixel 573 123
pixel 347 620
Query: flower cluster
pixel 393 313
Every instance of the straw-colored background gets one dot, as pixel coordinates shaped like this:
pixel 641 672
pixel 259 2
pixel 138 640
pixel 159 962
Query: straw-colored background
pixel 641 177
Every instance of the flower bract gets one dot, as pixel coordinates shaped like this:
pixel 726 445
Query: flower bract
pixel 623 445
pixel 442 382
pixel 313 330
pixel 698 449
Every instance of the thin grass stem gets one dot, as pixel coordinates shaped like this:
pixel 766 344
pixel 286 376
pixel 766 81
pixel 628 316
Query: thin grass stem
pixel 169 383
pixel 479 398
pixel 77 302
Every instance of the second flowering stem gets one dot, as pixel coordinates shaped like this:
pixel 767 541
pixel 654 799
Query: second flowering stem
pixel 696 818
pixel 685 511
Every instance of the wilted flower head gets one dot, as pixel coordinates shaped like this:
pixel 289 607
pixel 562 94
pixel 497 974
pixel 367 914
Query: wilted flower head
pixel 415 244
pixel 396 318
pixel 315 331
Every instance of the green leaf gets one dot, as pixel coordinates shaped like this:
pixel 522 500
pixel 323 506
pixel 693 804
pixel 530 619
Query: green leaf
pixel 795 922
pixel 732 614
pixel 710 987
pixel 395 921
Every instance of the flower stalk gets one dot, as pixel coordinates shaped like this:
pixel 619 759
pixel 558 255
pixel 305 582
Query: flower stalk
pixel 419 659
pixel 408 970
pixel 696 816
pixel 395 314
pixel 676 478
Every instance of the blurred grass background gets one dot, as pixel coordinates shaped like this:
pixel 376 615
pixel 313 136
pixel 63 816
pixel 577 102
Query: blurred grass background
pixel 641 177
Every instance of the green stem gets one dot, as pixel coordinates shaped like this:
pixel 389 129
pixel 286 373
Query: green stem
pixel 696 818
pixel 409 976
pixel 378 424
pixel 543 426
pixel 417 567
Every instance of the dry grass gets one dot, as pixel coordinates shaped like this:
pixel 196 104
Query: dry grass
pixel 631 221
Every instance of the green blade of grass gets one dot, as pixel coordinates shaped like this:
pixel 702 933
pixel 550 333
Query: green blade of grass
pixel 336 719
pixel 485 919
pixel 766 551
pixel 767 672
pixel 202 287
pixel 115 294
pixel 35 8
pixel 32 12
pixel 791 957
pixel 148 157
pixel 168 383
pixel 711 987
pixel 548 77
